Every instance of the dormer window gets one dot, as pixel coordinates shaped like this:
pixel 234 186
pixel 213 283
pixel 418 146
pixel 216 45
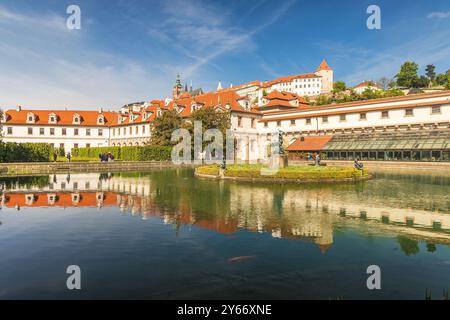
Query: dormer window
pixel 101 120
pixel 76 119
pixel 75 198
pixel 31 117
pixel 52 118
pixel 159 112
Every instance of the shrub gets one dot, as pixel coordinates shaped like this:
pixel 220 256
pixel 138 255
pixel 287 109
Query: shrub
pixel 126 153
pixel 25 152
pixel 212 170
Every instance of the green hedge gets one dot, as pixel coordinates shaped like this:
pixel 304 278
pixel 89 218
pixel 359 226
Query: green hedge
pixel 25 152
pixel 295 172
pixel 212 170
pixel 131 153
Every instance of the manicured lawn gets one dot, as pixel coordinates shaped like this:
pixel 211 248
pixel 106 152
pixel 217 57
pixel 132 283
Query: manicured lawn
pixel 297 172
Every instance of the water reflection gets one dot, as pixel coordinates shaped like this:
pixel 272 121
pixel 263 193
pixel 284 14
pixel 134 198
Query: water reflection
pixel 412 208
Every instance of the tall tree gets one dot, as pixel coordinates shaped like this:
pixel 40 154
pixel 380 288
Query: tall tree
pixel 421 82
pixel 447 85
pixel 164 126
pixel 407 75
pixel 339 86
pixel 1 131
pixel 430 73
pixel 441 79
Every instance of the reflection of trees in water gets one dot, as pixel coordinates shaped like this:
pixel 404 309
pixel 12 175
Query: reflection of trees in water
pixel 24 182
pixel 409 246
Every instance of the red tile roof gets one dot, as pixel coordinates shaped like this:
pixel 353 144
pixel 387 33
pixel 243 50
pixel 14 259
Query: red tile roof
pixel 309 143
pixel 64 117
pixel 324 66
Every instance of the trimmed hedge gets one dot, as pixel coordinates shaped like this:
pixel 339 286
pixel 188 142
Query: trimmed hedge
pixel 295 172
pixel 127 153
pixel 25 152
pixel 212 170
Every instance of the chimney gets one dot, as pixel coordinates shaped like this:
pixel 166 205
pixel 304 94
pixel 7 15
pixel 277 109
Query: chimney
pixel 19 108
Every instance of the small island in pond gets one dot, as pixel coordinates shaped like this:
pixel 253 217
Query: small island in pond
pixel 291 173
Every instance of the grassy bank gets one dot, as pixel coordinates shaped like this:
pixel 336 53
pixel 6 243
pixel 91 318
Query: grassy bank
pixel 296 172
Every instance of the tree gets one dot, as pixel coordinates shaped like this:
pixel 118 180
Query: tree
pixel 1 131
pixel 407 75
pixel 421 82
pixel 429 72
pixel 163 127
pixel 409 246
pixel 339 86
pixel 441 79
pixel 447 85
pixel 210 118
pixel 384 82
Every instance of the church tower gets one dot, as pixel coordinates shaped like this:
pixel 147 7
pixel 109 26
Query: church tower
pixel 177 88
pixel 326 73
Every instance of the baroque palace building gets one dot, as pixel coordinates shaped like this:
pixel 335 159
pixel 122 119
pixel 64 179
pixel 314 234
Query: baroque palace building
pixel 411 127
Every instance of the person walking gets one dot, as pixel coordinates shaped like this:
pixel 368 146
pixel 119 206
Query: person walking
pixel 55 156
pixel 69 156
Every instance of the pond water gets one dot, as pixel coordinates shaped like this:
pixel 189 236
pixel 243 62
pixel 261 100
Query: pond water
pixel 165 234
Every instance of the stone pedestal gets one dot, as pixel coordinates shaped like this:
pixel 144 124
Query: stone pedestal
pixel 278 161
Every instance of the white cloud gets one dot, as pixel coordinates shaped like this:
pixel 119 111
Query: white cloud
pixel 439 14
pixel 44 64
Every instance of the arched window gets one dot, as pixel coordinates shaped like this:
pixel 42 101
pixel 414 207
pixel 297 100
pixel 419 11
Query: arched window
pixel 76 119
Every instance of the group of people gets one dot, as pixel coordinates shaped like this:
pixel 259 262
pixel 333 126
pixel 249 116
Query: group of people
pixel 55 156
pixel 106 157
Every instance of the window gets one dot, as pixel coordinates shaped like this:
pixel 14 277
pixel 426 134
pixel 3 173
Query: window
pixel 124 131
pixel 363 116
pixel 64 131
pixel 384 114
pixel 61 145
pixel 239 121
pixel 409 112
pixel 292 122
pixel 308 120
pixel 100 132
pixel 88 132
pixel 75 145
pixel 143 129
pixel 342 117
pixel 436 110
pixel 266 124
pixel 52 131
pixel 52 145
pixel 10 130
pixel 88 145
pixel 114 132
pixel 253 123
pixel 75 132
pixel 41 131
pixel 278 123
pixel 30 131
pixel 136 129
pixel 325 119
pixel 131 130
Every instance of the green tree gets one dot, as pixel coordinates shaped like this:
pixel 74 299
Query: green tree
pixel 339 86
pixel 1 128
pixel 164 126
pixel 407 75
pixel 421 82
pixel 447 85
pixel 441 79
pixel 430 73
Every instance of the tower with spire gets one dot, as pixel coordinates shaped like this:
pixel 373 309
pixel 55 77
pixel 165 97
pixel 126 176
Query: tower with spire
pixel 326 73
pixel 177 88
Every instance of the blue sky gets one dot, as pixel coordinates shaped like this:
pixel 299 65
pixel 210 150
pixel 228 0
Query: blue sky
pixel 132 50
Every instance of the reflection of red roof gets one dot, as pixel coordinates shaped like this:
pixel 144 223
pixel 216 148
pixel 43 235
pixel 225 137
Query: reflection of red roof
pixel 62 199
pixel 309 143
